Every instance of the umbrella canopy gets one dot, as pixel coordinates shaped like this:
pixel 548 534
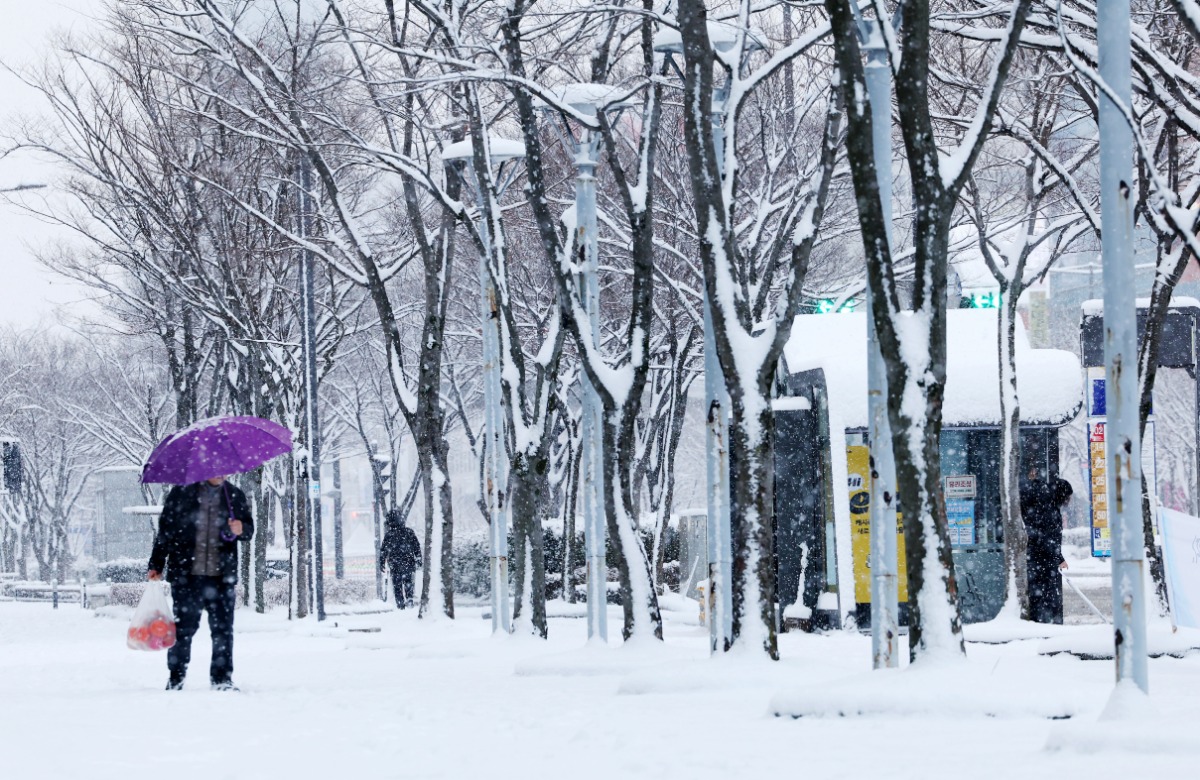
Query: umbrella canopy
pixel 216 447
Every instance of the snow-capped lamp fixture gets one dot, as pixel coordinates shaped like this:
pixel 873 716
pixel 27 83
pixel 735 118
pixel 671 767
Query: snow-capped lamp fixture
pixel 504 154
pixel 724 38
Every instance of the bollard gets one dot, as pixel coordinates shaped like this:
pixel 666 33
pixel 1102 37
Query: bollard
pixel 54 590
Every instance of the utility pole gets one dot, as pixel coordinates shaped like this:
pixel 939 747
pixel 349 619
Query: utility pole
pixel 716 442
pixel 312 419
pixel 719 530
pixel 379 492
pixel 586 158
pixel 494 466
pixel 494 462
pixel 1123 441
pixel 885 621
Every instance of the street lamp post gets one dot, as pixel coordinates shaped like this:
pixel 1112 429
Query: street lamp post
pixel 588 100
pixel 501 151
pixel 719 532
pixel 885 621
pixel 312 419
pixel 1122 435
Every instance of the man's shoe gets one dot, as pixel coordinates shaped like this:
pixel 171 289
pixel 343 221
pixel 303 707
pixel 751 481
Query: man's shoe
pixel 224 685
pixel 174 685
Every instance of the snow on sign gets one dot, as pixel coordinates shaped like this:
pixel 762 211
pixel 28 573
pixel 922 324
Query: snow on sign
pixel 960 486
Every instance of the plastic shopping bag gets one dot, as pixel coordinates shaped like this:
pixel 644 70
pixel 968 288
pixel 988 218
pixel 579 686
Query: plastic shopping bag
pixel 153 624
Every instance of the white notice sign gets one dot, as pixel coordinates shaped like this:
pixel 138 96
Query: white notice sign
pixel 961 486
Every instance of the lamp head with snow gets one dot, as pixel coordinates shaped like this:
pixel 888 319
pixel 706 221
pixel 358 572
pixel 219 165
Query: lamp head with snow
pixel 723 37
pixel 502 150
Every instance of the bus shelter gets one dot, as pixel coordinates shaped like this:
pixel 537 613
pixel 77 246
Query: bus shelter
pixel 822 489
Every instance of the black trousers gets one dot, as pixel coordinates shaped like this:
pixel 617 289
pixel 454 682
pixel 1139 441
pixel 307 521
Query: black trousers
pixel 402 587
pixel 1045 587
pixel 193 595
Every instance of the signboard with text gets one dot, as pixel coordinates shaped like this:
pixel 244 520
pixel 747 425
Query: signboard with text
pixel 1098 463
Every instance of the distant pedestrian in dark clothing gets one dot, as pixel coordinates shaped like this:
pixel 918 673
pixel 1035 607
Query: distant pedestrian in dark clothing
pixel 1041 508
pixel 196 547
pixel 401 553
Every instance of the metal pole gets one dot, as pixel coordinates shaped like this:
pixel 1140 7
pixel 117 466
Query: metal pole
pixel 586 153
pixel 885 622
pixel 310 389
pixel 1123 443
pixel 339 548
pixel 716 449
pixel 493 430
pixel 377 512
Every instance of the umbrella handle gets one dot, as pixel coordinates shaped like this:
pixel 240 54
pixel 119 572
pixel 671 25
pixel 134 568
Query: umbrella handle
pixel 226 535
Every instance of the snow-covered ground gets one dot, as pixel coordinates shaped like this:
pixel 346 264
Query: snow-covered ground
pixel 421 699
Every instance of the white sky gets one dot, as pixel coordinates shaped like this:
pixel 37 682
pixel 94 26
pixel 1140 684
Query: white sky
pixel 29 294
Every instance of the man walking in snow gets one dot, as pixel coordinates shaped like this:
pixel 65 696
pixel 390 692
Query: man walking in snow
pixel 196 547
pixel 401 552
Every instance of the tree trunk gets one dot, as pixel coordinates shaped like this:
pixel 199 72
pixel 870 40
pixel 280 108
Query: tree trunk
pixel 1148 356
pixel 264 517
pixel 1016 541
pixel 639 602
pixel 527 481
pixel 299 547
pixel 568 563
pixel 934 626
pixel 439 524
pixel 752 475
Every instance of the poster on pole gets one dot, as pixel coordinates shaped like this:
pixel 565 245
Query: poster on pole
pixel 1098 463
pixel 858 463
pixel 1181 554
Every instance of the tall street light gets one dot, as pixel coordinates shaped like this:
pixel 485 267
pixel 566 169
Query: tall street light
pixel 312 418
pixel 885 594
pixel 501 151
pixel 1122 436
pixel 588 100
pixel 724 38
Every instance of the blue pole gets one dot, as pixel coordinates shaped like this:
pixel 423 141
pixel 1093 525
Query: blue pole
pixel 1123 444
pixel 716 448
pixel 587 152
pixel 885 621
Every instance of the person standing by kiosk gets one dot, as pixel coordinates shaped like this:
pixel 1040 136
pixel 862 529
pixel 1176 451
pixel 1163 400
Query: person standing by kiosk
pixel 1041 509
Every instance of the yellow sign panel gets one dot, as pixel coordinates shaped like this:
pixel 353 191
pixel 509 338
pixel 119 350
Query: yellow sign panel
pixel 858 466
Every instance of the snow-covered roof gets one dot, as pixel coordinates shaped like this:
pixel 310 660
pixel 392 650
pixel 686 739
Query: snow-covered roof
pixel 1094 307
pixel 1049 381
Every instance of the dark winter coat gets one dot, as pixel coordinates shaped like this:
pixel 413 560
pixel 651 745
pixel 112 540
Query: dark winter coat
pixel 1041 510
pixel 400 549
pixel 175 542
pixel 1041 504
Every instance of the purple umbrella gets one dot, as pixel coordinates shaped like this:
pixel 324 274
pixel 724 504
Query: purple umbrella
pixel 216 447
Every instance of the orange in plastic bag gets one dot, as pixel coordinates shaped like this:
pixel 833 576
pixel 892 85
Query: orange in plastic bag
pixel 153 623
